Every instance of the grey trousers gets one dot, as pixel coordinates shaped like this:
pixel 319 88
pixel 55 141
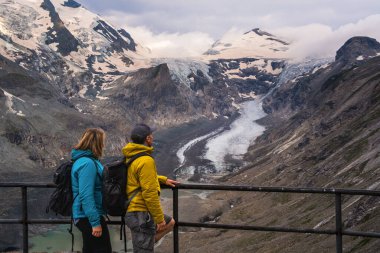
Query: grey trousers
pixel 143 230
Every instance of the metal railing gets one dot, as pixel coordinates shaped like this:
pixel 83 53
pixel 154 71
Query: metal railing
pixel 339 232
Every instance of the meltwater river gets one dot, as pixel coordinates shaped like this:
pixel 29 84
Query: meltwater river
pixel 232 143
pixel 242 133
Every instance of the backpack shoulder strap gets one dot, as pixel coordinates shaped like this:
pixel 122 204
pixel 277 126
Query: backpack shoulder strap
pixel 95 163
pixel 130 161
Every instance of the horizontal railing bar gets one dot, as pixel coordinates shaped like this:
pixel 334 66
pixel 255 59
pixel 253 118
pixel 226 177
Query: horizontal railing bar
pixel 364 234
pixel 277 229
pixel 34 221
pixel 255 228
pixel 209 225
pixel 47 221
pixel 11 221
pixel 230 188
pixel 278 189
pixel 28 184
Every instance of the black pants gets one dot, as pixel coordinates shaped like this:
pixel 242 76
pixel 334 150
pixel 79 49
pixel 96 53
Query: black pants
pixel 92 244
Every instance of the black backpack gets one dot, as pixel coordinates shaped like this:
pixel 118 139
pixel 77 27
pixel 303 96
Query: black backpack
pixel 115 199
pixel 61 200
pixel 114 190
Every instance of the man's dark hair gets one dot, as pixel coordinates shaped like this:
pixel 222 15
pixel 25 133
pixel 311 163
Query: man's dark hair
pixel 140 132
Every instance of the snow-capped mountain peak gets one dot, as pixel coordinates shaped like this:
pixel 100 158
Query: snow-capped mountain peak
pixel 252 44
pixel 65 29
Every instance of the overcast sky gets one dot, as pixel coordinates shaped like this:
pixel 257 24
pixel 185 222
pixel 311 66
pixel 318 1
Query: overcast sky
pixel 189 27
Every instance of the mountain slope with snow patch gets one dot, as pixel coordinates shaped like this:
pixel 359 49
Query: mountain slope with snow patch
pixel 68 38
pixel 254 44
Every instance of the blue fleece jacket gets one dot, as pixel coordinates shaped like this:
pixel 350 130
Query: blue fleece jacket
pixel 86 180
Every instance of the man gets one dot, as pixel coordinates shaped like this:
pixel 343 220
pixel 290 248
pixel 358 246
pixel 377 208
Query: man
pixel 144 216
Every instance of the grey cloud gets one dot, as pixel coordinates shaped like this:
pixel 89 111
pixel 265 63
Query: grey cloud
pixel 215 17
pixel 173 22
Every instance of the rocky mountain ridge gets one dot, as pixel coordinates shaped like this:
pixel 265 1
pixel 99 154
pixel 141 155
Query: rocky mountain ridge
pixel 82 55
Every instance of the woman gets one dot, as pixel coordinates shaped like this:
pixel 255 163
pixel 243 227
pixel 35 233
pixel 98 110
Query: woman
pixel 86 178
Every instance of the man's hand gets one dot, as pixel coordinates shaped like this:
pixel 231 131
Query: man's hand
pixel 161 226
pixel 97 231
pixel 171 182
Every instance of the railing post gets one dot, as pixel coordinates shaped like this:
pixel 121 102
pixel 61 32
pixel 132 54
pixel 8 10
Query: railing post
pixel 175 217
pixel 25 244
pixel 338 222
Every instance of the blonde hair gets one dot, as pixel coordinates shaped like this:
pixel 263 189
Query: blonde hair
pixel 92 139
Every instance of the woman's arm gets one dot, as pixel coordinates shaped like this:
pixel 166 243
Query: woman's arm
pixel 87 174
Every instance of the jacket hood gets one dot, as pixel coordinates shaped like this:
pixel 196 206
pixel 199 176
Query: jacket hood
pixel 77 153
pixel 132 149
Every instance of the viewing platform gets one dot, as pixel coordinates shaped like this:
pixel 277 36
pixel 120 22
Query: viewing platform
pixel 338 231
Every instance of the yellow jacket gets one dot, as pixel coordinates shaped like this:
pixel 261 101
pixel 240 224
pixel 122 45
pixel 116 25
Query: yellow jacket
pixel 143 174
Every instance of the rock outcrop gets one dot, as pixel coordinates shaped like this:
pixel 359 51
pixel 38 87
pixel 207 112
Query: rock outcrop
pixel 357 49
